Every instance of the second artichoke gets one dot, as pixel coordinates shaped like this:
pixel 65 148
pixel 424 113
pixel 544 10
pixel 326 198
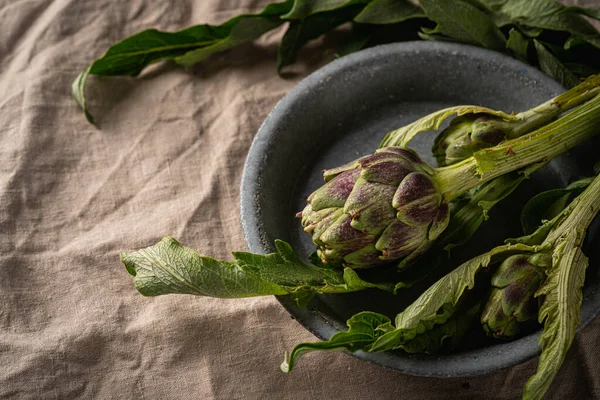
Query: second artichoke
pixel 512 304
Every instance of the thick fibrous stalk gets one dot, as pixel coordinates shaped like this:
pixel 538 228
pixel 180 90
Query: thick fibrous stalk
pixel 478 129
pixel 541 145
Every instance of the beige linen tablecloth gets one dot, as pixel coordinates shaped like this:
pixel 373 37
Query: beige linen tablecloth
pixel 167 159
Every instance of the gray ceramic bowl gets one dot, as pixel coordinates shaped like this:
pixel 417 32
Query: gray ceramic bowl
pixel 341 112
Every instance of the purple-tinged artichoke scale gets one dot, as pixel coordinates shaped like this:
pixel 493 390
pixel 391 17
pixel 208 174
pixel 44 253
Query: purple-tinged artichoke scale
pixel 399 240
pixel 331 173
pixel 369 206
pixel 440 222
pixel 341 234
pixel 367 257
pixel 335 192
pixel 416 186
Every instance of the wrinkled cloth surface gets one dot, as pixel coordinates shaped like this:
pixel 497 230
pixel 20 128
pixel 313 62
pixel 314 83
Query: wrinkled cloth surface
pixel 167 159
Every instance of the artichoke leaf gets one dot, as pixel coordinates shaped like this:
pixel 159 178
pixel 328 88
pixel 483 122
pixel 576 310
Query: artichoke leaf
pixel 169 267
pixel 301 31
pixel 548 204
pixel 389 12
pixel 305 8
pixel 363 329
pixel 464 22
pixel 188 46
pixel 560 310
pixel 402 136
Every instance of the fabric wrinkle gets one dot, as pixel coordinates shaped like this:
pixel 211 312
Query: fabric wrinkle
pixel 167 158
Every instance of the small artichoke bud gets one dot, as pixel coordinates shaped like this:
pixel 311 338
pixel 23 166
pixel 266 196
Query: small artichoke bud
pixel 467 134
pixel 380 208
pixel 511 305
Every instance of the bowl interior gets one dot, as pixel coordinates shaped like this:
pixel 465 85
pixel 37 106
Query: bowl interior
pixel 342 112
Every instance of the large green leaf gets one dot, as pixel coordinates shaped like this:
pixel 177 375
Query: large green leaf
pixel 304 8
pixel 168 267
pixel 547 205
pixel 464 22
pixel 311 27
pixel 553 67
pixel 389 12
pixel 132 55
pixel 517 44
pixel 544 14
pixel 188 46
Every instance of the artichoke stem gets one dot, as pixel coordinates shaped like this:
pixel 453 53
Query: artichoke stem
pixel 540 115
pixel 540 145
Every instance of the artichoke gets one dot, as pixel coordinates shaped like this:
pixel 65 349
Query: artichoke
pixel 512 305
pixel 391 206
pixel 381 207
pixel 468 134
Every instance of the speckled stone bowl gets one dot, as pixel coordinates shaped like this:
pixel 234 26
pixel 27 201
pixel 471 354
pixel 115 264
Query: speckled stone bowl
pixel 341 112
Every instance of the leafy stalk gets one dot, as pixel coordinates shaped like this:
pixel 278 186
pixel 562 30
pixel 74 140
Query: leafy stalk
pixel 560 310
pixel 542 144
pixel 520 123
pixel 402 136
pixel 168 267
pixel 562 289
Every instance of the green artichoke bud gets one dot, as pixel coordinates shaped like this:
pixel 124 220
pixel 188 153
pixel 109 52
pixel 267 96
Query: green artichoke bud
pixel 477 128
pixel 379 208
pixel 467 134
pixel 512 305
